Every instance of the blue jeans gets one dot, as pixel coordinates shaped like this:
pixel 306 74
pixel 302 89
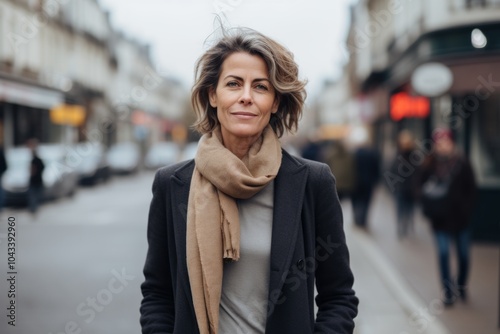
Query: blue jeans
pixel 404 209
pixel 443 240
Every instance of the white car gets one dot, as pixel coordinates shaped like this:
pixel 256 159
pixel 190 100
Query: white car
pixel 189 151
pixel 60 177
pixel 162 154
pixel 124 158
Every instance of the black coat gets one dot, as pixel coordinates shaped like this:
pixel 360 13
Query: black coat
pixel 403 180
pixel 308 243
pixel 367 169
pixel 36 172
pixel 3 161
pixel 462 190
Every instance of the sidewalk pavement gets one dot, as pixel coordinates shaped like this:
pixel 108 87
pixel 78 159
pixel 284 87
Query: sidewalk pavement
pixel 397 280
pixel 388 305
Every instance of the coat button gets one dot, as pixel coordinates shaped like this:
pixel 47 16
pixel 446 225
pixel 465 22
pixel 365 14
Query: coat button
pixel 300 264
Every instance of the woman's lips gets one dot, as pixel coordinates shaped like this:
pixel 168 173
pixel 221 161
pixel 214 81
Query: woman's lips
pixel 243 115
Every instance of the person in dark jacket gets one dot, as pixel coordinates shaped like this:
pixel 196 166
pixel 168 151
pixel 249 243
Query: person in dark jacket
pixel 35 191
pixel 341 162
pixel 240 236
pixel 3 168
pixel 367 162
pixel 450 219
pixel 404 191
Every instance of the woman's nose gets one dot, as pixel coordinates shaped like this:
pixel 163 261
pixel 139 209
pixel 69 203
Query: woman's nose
pixel 246 95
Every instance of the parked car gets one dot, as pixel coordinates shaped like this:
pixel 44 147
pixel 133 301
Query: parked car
pixel 94 166
pixel 59 176
pixel 124 158
pixel 162 154
pixel 15 180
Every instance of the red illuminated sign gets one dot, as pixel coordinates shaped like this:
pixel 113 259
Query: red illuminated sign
pixel 404 105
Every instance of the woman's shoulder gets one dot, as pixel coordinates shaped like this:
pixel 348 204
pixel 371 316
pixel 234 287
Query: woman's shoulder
pixel 317 171
pixel 302 161
pixel 181 168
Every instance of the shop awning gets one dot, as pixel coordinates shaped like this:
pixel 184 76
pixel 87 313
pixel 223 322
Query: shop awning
pixel 31 96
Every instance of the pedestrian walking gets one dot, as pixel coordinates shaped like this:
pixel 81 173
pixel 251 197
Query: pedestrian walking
pixel 447 193
pixel 3 168
pixel 404 191
pixel 367 162
pixel 36 187
pixel 239 236
pixel 341 162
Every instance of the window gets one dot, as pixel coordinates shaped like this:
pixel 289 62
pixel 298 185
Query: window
pixel 485 143
pixel 473 4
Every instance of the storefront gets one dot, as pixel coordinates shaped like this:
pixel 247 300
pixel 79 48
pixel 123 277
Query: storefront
pixel 24 112
pixel 470 107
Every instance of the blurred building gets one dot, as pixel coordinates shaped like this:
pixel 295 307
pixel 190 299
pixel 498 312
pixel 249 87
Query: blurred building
pixel 147 104
pixel 419 65
pixel 335 110
pixel 52 54
pixel 67 76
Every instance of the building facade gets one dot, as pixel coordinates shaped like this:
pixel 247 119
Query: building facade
pixel 445 52
pixel 59 54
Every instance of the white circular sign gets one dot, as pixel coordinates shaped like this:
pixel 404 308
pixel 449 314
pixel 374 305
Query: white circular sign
pixel 432 79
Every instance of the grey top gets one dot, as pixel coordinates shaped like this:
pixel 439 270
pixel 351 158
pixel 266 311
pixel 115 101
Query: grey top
pixel 243 306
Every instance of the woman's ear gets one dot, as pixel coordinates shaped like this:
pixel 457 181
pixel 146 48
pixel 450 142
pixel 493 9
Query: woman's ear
pixel 276 104
pixel 212 97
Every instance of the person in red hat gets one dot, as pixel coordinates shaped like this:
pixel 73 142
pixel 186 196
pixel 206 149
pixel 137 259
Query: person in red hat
pixel 447 194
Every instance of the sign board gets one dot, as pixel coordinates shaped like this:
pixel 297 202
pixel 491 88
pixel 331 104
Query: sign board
pixel 66 114
pixel 404 105
pixel 432 79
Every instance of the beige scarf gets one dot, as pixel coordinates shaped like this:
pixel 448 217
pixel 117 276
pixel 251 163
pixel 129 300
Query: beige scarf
pixel 213 228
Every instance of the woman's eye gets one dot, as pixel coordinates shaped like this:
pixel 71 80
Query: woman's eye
pixel 232 84
pixel 264 87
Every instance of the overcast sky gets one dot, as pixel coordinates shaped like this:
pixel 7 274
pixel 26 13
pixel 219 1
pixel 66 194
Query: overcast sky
pixel 312 29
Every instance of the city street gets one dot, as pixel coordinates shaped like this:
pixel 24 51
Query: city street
pixel 80 263
pixel 398 97
pixel 79 269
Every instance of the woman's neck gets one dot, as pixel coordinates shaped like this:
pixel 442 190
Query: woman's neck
pixel 239 146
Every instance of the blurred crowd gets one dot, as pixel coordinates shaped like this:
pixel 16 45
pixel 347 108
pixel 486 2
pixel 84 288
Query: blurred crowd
pixel 438 178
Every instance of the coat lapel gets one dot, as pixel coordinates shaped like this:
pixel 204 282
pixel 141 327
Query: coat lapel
pixel 180 183
pixel 288 197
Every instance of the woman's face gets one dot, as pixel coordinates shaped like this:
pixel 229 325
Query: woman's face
pixel 244 97
pixel 444 146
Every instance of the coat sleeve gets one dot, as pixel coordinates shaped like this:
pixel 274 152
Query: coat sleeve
pixel 157 306
pixel 336 301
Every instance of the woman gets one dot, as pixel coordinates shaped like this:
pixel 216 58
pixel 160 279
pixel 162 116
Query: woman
pixel 449 214
pixel 238 236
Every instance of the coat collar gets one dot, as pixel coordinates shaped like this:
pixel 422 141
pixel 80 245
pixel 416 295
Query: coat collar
pixel 289 191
